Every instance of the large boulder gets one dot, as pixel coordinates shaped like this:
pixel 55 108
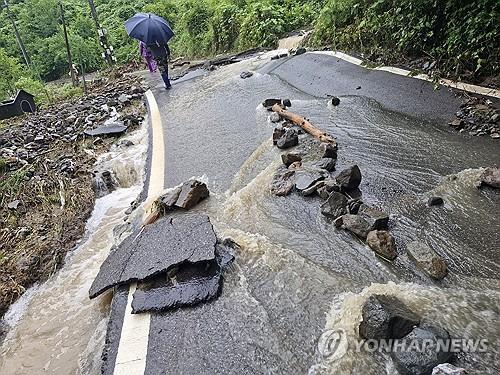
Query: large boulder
pixel 491 177
pixel 378 219
pixel 349 179
pixel 382 242
pixel 427 259
pixel 283 182
pixel 386 317
pixel 335 206
pixel 192 192
pixel 422 362
pixel 357 225
pixel 289 139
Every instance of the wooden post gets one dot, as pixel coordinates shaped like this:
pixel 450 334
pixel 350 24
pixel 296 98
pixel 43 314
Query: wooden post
pixel 68 49
pixel 304 124
pixel 18 36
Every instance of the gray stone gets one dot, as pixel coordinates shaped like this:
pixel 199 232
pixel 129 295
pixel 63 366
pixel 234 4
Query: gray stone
pixel 335 101
pixel 167 201
pixel 245 75
pixel 335 206
pixel 289 139
pixel 448 369
pixel 123 98
pixel 435 201
pixel 357 225
pixel 382 242
pixel 328 150
pixel 278 132
pixel 386 317
pixel 290 157
pixel 155 249
pixel 192 193
pixel 14 204
pixel 327 164
pixel 349 179
pixel 307 178
pixel 491 177
pixel 422 362
pixel 115 129
pixel 300 51
pixel 378 219
pixel 283 182
pixel 427 259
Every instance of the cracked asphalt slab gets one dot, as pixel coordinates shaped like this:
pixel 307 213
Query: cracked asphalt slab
pixel 180 342
pixel 156 248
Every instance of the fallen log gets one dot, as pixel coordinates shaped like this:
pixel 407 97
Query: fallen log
pixel 304 124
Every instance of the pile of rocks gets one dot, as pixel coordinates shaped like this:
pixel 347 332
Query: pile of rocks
pixel 96 114
pixel 308 170
pixel 478 116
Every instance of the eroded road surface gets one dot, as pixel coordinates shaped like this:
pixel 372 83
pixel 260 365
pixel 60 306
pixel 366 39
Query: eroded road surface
pixel 295 276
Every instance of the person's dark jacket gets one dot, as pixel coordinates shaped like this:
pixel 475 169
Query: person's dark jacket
pixel 159 51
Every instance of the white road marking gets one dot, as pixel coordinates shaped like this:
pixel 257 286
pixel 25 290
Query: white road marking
pixel 133 346
pixel 403 72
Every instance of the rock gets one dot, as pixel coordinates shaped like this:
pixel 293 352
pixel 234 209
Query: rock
pixel 275 117
pixel 328 150
pixel 126 143
pixel 245 75
pixel 192 192
pixel 457 123
pixel 300 51
pixel 289 139
pixel 280 56
pixel 354 205
pixel 335 101
pixel 115 129
pixel 495 117
pixel 335 206
pixel 427 259
pixel 357 225
pixel 377 219
pixel 268 103
pixel 168 200
pixel 386 317
pixel 287 102
pixel 338 222
pixel 295 166
pixel 283 182
pixel 327 164
pixel 349 179
pixel 278 132
pixel 435 201
pixel 382 242
pixel 155 249
pixel 491 177
pixel 495 135
pixel 307 178
pixel 14 204
pixel 108 180
pixel 448 369
pixel 124 99
pixel 312 189
pixel 290 157
pixel 422 362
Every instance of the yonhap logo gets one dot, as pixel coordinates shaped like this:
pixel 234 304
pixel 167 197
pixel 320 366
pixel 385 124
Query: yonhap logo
pixel 332 344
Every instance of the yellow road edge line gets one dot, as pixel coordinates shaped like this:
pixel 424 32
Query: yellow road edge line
pixel 133 345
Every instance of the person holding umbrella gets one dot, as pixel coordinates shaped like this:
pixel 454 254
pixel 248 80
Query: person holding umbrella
pixel 154 32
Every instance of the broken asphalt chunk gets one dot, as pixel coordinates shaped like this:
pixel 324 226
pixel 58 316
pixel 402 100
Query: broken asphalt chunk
pixel 156 249
pixel 115 129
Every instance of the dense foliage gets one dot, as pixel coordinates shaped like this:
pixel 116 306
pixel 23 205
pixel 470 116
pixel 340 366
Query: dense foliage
pixel 462 35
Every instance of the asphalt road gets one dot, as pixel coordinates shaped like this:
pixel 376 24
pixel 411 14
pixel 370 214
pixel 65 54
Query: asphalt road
pixel 195 119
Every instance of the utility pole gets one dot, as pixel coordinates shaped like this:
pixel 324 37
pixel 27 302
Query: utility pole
pixel 18 36
pixel 103 39
pixel 68 49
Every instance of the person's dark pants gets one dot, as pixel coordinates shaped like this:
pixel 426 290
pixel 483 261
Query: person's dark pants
pixel 163 67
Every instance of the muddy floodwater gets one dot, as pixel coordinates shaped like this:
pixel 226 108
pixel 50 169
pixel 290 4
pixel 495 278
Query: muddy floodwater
pixel 296 276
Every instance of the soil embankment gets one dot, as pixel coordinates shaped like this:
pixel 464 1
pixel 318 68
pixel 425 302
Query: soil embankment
pixel 48 183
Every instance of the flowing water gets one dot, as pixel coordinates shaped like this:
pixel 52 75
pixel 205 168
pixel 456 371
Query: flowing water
pixel 295 276
pixel 56 328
